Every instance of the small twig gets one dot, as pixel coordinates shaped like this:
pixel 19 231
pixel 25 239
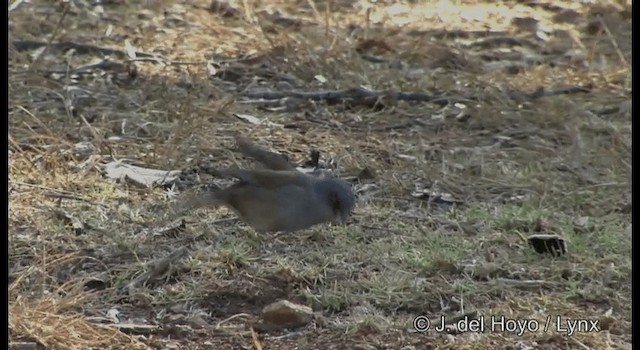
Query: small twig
pixel 580 343
pixel 43 125
pixel 357 94
pixel 157 268
pixel 524 239
pixel 81 49
pixel 222 221
pixel 256 341
pixel 74 197
pixel 354 93
pixel 525 283
pixel 61 192
pixel 160 60
pixel 56 29
pixel 15 5
pixel 55 193
pixel 231 318
pixel 140 329
pixel 287 335
pixel 16 145
pixel 613 41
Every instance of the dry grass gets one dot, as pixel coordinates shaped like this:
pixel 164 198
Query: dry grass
pixel 516 165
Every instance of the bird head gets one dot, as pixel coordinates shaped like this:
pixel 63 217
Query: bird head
pixel 339 195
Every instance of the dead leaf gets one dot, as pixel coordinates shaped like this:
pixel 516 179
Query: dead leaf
pixel 113 315
pixel 211 69
pixel 320 78
pixel 117 170
pixel 131 51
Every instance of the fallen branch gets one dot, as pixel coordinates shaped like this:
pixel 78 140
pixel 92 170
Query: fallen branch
pixel 105 65
pixel 526 284
pixel 74 197
pixel 81 49
pixel 546 92
pixel 335 96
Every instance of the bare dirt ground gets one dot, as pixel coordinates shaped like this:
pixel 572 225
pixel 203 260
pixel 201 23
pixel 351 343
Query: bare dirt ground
pixel 465 127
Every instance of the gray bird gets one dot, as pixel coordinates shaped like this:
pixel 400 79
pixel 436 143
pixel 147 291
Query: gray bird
pixel 279 198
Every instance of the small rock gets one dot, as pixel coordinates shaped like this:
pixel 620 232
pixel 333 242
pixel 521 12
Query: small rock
pixel 197 322
pixel 285 314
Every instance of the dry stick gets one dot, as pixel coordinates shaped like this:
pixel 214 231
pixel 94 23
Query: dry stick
pixel 247 11
pixel 316 13
pixel 53 35
pixel 74 197
pixel 15 5
pixel 613 41
pixel 245 315
pixel 13 143
pixel 327 21
pixel 82 49
pixel 526 283
pixel 43 125
pixel 264 33
pixel 332 96
pixel 256 341
pixel 338 94
pixel 54 193
pixel 18 183
pixel 580 343
pixel 157 268
pixel 132 327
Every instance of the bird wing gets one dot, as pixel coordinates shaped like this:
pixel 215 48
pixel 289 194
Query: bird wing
pixel 269 179
pixel 271 160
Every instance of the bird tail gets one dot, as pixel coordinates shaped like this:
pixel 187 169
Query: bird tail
pixel 208 198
